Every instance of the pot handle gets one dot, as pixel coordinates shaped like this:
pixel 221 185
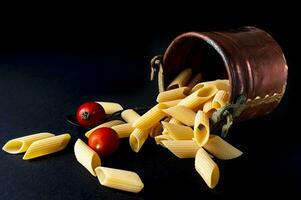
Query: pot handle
pixel 223 118
pixel 156 67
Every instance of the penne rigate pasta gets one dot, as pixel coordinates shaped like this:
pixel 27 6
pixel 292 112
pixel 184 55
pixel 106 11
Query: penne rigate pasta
pixel 119 179
pixel 178 132
pixel 207 168
pixel 181 148
pixel 174 94
pixel 196 99
pixel 182 114
pixel 180 80
pixel 172 103
pixel 219 84
pixel 123 130
pixel 110 107
pixel 86 156
pixel 130 116
pixel 221 149
pixel 156 130
pixel 166 119
pixel 137 139
pixel 175 121
pixel 208 109
pixel 21 144
pixel 160 138
pixel 164 132
pixel 151 117
pixel 180 122
pixel 195 80
pixel 201 128
pixel 207 106
pixel 108 124
pixel 220 99
pixel 47 146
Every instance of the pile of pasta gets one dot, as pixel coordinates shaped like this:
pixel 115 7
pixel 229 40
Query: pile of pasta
pixel 36 145
pixel 180 122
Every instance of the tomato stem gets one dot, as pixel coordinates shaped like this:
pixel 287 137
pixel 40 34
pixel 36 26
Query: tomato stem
pixel 85 115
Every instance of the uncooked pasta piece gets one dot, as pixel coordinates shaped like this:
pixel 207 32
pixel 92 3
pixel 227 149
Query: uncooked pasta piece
pixel 156 130
pixel 123 130
pixel 208 109
pixel 196 79
pixel 108 124
pixel 220 99
pixel 86 156
pixel 182 114
pixel 174 94
pixel 178 132
pixel 47 146
pixel 160 138
pixel 221 149
pixel 119 179
pixel 110 107
pixel 201 128
pixel 174 121
pixel 219 84
pixel 130 116
pixel 180 80
pixel 172 103
pixel 199 97
pixel 138 138
pixel 21 144
pixel 164 132
pixel 207 168
pixel 151 117
pixel 181 148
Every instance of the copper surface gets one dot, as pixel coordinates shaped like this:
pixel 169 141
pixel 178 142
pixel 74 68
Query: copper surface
pixel 252 60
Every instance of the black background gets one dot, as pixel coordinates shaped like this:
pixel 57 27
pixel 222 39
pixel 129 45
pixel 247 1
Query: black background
pixel 50 65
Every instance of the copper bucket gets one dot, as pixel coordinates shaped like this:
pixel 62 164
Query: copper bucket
pixel 249 57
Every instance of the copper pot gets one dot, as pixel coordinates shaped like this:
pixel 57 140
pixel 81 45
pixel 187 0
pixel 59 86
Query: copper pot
pixel 249 57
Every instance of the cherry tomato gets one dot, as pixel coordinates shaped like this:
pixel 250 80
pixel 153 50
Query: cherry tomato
pixel 90 114
pixel 104 141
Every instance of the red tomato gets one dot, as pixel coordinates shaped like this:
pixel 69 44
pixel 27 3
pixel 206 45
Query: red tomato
pixel 104 141
pixel 90 114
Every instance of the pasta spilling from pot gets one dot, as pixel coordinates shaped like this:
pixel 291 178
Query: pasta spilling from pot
pixel 179 122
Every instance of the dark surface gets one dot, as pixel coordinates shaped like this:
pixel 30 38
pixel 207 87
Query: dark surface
pixel 46 72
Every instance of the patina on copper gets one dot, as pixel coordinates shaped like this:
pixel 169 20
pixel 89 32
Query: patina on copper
pixel 249 57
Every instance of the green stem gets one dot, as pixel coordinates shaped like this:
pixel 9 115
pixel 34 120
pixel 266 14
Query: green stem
pixel 85 115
